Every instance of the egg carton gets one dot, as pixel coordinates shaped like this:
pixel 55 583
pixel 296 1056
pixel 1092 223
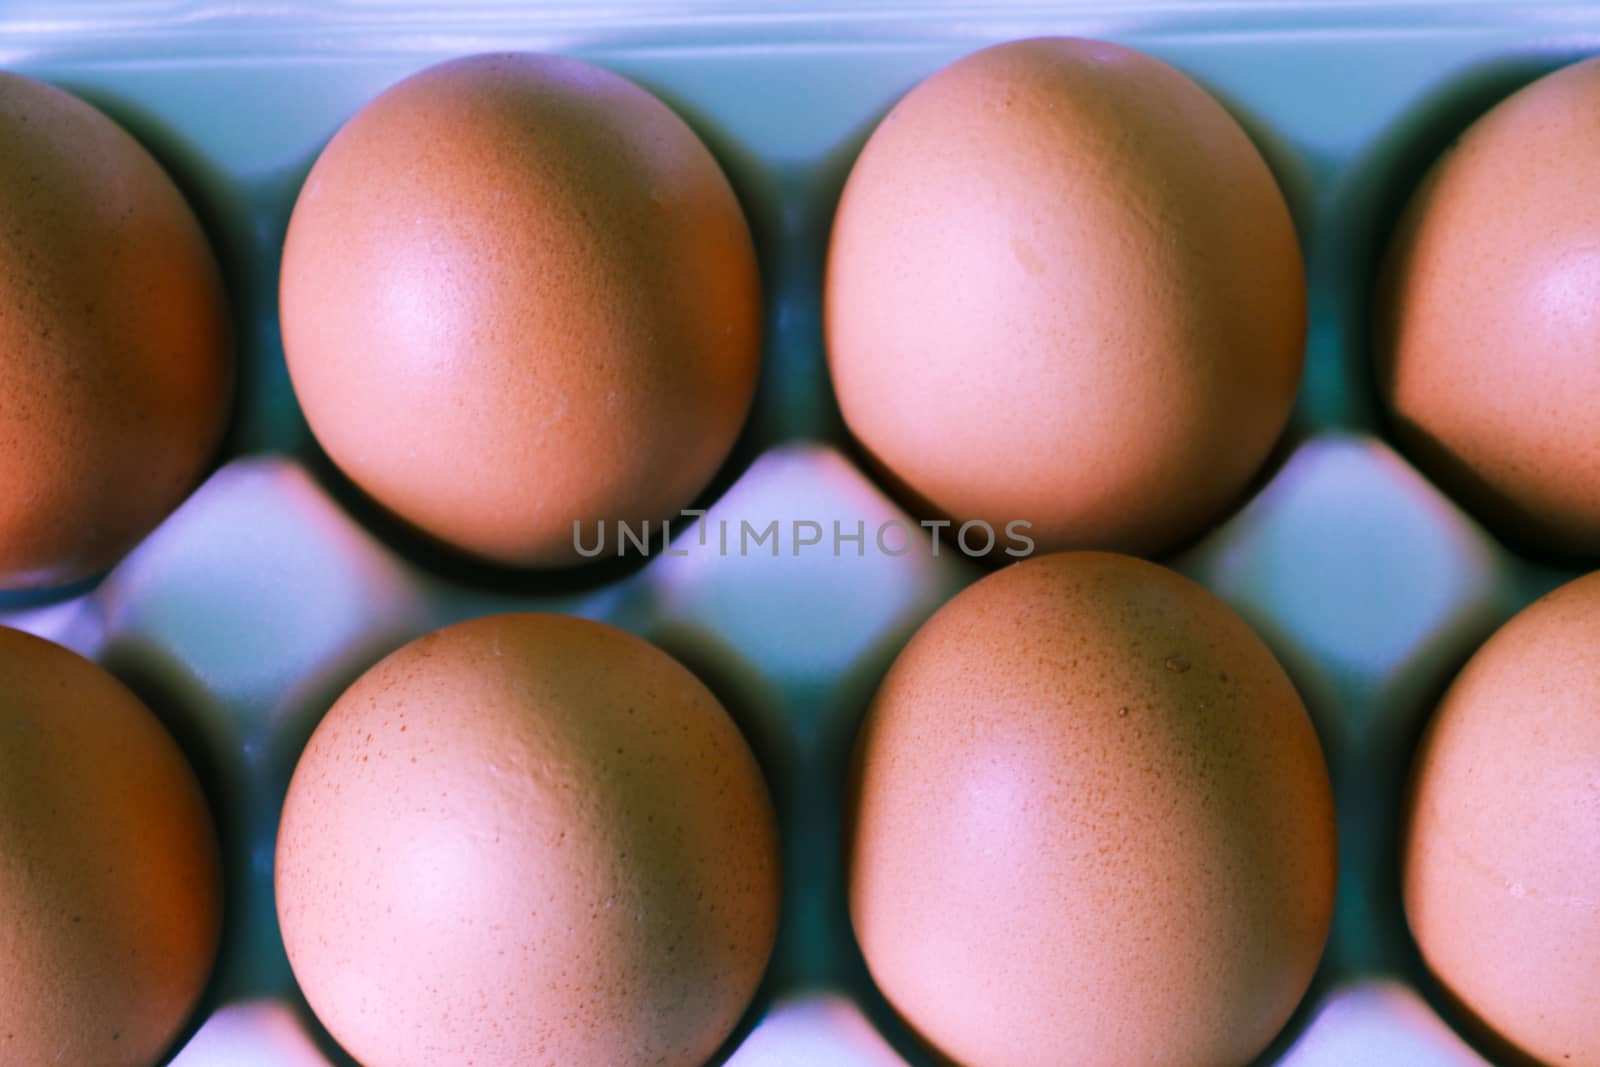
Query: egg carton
pixel 244 614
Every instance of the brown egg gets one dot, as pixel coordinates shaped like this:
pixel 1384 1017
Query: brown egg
pixel 518 293
pixel 1488 318
pixel 1502 853
pixel 1091 825
pixel 110 879
pixel 116 361
pixel 528 839
pixel 1064 288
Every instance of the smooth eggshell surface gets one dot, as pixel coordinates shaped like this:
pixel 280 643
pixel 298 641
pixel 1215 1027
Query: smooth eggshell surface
pixel 1092 825
pixel 517 292
pixel 1063 287
pixel 1488 324
pixel 528 839
pixel 116 359
pixel 110 877
pixel 1502 854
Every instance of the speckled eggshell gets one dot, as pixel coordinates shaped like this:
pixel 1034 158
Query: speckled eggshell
pixel 1091 825
pixel 1063 287
pixel 1501 859
pixel 116 359
pixel 110 878
pixel 531 840
pixel 517 292
pixel 1488 317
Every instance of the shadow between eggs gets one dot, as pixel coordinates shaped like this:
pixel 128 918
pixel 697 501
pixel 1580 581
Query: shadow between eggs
pixel 803 733
pixel 245 805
